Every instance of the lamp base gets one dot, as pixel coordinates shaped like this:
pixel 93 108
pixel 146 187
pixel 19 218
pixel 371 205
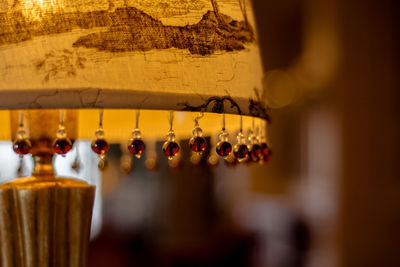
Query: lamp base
pixel 45 222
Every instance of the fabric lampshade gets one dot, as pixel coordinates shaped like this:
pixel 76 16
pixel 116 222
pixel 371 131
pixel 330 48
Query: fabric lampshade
pixel 152 55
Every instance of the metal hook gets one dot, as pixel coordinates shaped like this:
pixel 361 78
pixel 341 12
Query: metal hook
pixel 197 118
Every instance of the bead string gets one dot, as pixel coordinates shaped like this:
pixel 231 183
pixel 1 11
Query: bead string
pixel 253 126
pixel 61 117
pixel 21 119
pixel 101 111
pixel 223 121
pixel 171 120
pixel 137 118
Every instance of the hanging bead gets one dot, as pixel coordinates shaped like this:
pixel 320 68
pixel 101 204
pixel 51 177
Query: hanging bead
pixel 268 157
pixel 62 144
pixel 240 150
pixel 198 143
pixel 21 145
pixel 223 147
pixel 100 145
pixel 265 149
pixel 136 145
pixel 170 147
pixel 266 152
pixel 255 152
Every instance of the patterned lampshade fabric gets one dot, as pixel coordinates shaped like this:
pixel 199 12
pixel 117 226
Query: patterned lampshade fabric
pixel 190 55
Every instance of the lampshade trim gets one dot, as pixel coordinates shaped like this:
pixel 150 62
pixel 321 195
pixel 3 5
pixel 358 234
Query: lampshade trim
pixel 89 98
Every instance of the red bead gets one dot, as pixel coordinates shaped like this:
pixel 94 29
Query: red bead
pixel 137 147
pixel 198 144
pixel 266 152
pixel 264 149
pixel 100 146
pixel 267 157
pixel 170 149
pixel 255 152
pixel 22 146
pixel 62 146
pixel 241 151
pixel 223 148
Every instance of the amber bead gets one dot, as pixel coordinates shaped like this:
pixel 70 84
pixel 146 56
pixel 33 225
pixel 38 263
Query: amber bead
pixel 241 152
pixel 22 146
pixel 170 149
pixel 223 148
pixel 100 146
pixel 198 144
pixel 255 152
pixel 62 146
pixel 137 147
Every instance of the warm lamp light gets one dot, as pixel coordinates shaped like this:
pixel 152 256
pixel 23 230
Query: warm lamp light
pixel 78 68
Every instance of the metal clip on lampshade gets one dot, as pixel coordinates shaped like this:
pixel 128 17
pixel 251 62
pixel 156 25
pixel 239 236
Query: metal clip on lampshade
pixel 85 56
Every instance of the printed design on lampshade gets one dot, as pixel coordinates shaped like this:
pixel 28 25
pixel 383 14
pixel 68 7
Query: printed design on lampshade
pixel 210 34
pixel 258 107
pixel 60 63
pixel 148 54
pixel 217 105
pixel 127 28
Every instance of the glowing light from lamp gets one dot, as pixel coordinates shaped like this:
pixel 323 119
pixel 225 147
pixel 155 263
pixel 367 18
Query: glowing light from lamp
pixel 35 9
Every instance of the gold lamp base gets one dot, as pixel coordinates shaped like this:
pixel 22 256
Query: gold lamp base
pixel 44 220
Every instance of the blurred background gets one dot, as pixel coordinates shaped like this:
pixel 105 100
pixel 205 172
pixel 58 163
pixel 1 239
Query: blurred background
pixel 329 196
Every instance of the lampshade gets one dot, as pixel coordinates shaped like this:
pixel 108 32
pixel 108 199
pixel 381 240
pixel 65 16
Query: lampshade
pixel 156 56
pixel 92 69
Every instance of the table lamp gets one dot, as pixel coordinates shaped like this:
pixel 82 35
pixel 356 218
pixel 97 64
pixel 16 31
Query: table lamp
pixel 117 72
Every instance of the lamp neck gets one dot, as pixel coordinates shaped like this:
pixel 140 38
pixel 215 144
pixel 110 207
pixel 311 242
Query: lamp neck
pixel 43 166
pixel 43 153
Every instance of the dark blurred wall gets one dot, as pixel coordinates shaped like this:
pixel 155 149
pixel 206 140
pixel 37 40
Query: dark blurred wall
pixel 368 98
pixel 363 95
